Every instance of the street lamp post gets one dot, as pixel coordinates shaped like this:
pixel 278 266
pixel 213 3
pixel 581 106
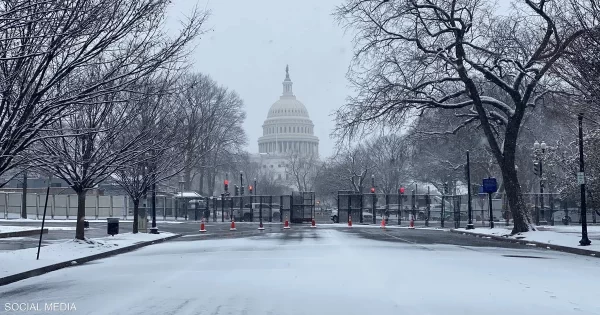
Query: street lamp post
pixel 540 150
pixel 585 241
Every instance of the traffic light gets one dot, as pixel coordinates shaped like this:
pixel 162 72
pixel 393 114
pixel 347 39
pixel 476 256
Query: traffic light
pixel 401 190
pixel 237 190
pixel 372 190
pixel 226 184
pixel 446 188
pixel 536 168
pixel 250 189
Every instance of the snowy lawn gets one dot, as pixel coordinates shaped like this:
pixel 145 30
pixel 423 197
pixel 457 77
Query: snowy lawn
pixel 9 228
pixel 24 259
pixel 320 272
pixel 559 235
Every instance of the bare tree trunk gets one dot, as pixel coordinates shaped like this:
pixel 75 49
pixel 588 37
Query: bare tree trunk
pixel 521 218
pixel 24 197
pixel 187 175
pixel 136 211
pixel 79 230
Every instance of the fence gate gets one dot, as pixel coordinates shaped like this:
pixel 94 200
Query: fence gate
pixel 303 206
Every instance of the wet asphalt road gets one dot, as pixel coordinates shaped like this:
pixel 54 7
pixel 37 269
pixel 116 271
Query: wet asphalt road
pixel 216 230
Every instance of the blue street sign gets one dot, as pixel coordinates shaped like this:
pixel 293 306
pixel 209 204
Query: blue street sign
pixel 490 185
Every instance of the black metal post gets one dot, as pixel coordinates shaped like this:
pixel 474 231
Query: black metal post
pixel 254 188
pixel 260 217
pixel 414 201
pixel 350 209
pixel 542 211
pixel 44 217
pixel 153 229
pixel 470 225
pixel 223 204
pixel 585 241
pixel 375 212
pixel 537 210
pixel 491 214
pixel 360 217
pixel 241 183
pixel 428 201
pixel 401 207
pixel 443 208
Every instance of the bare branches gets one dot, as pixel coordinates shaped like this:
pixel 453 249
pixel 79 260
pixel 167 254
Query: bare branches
pixel 46 47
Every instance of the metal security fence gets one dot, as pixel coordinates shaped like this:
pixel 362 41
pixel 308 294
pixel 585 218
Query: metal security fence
pixel 297 208
pixel 61 207
pixel 451 211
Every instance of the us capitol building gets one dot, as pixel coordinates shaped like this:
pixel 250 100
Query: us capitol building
pixel 287 130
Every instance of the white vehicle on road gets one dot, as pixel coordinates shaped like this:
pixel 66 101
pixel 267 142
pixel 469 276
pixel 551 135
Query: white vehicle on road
pixel 367 216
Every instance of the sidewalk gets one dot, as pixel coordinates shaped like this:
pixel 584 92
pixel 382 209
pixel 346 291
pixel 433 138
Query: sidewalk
pixel 22 264
pixel 560 238
pixel 7 231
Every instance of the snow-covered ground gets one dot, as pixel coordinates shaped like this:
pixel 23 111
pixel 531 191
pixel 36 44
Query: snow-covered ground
pixel 9 228
pixel 552 235
pixel 319 271
pixel 17 261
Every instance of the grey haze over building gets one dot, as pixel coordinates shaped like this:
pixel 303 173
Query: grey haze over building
pixel 251 42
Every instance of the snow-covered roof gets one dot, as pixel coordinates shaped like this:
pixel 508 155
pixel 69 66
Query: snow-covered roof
pixel 188 194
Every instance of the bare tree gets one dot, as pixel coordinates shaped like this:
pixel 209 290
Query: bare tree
pixel 82 146
pixel 212 119
pixel 302 170
pixel 156 124
pixel 390 155
pixel 413 56
pixel 46 45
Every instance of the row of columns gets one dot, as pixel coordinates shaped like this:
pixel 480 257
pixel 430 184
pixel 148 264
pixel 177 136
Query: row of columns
pixel 288 146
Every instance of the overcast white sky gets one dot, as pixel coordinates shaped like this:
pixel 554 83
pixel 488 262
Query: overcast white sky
pixel 251 43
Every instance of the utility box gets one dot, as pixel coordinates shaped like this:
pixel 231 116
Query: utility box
pixel 112 226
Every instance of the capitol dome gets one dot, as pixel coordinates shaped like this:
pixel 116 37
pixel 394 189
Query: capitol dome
pixel 288 128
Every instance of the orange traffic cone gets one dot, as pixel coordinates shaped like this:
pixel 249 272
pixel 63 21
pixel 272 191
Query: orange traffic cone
pixel 286 225
pixel 313 223
pixel 202 228
pixel 412 222
pixel 350 220
pixel 232 225
pixel 260 226
pixel 383 223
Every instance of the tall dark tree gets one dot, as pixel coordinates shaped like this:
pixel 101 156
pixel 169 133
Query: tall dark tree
pixel 414 56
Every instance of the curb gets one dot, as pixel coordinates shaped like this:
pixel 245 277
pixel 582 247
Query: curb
pixel 42 270
pixel 560 248
pixel 22 233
